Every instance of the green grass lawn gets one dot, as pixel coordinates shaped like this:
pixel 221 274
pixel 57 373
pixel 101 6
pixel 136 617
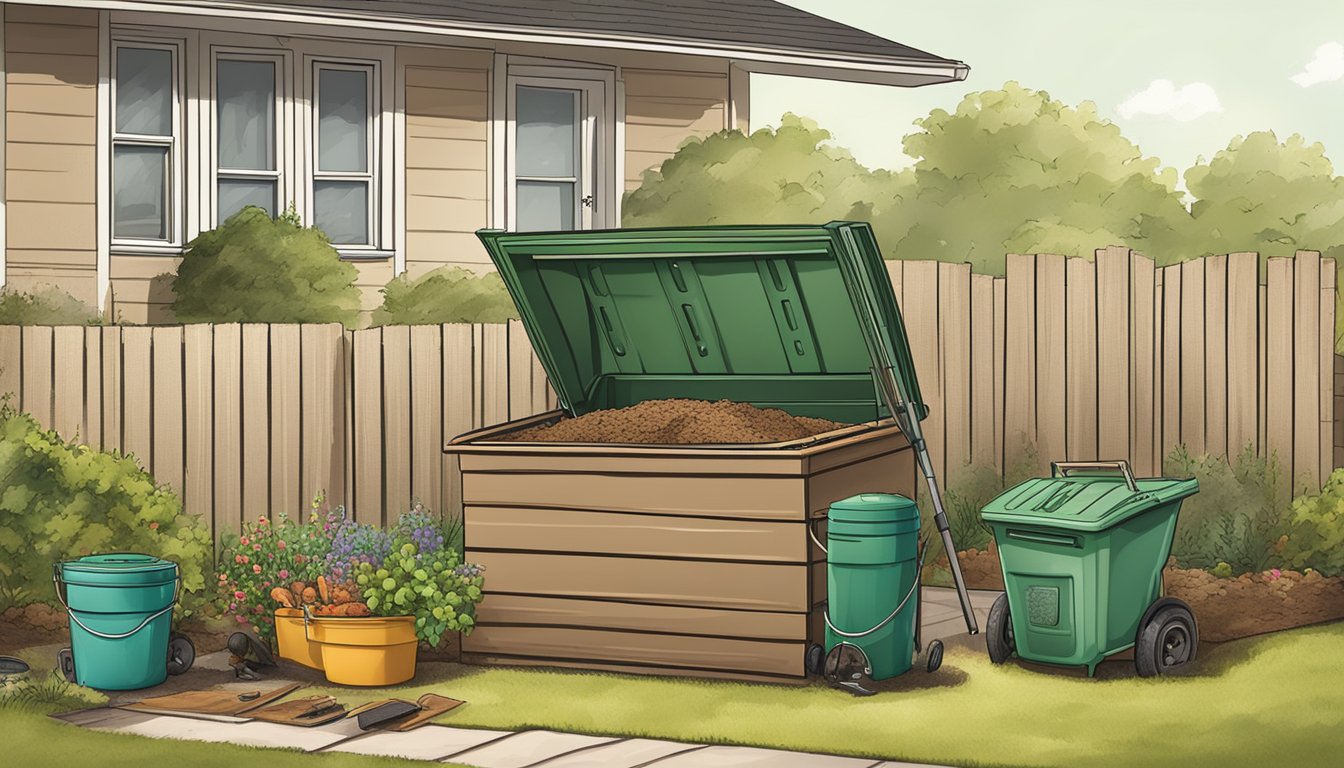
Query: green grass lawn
pixel 1275 700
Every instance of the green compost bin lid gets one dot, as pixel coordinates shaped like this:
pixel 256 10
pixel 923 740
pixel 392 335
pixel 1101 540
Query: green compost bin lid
pixel 790 317
pixel 119 569
pixel 1085 503
pixel 874 508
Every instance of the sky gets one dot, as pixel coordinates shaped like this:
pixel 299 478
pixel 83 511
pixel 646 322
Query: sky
pixel 1180 77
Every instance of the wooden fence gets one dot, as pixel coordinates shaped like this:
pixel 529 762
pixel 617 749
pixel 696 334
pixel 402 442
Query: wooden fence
pixel 1107 359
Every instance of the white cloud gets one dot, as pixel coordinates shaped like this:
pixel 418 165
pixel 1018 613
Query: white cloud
pixel 1327 67
pixel 1162 98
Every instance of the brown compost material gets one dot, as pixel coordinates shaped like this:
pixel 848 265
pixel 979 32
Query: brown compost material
pixel 680 422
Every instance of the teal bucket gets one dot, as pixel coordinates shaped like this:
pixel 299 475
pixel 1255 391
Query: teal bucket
pixel 121 615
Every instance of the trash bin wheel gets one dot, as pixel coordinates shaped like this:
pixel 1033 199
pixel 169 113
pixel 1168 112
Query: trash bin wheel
pixel 813 658
pixel 1167 640
pixel 65 662
pixel 181 654
pixel 935 656
pixel 999 631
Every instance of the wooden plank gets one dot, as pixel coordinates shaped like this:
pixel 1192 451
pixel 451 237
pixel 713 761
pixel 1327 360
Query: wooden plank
pixel 1050 366
pixel 137 403
pixel 322 391
pixel 1279 368
pixel 1263 359
pixel 198 396
pixel 954 350
pixel 11 364
pixel 641 617
pixel 519 364
pixel 1115 354
pixel 68 383
pixel 541 387
pixel 367 438
pixel 286 429
pixel 228 437
pixel 493 353
pixel 1215 355
pixel 747 586
pixel 93 385
pixel 1192 340
pixel 1243 401
pixel 1171 359
pixel 256 419
pixel 459 404
pixel 169 417
pixel 1000 371
pixel 1080 361
pixel 396 401
pixel 426 437
pixel 1143 367
pixel 111 388
pixel 673 651
pixel 982 373
pixel 620 533
pixel 1325 367
pixel 36 373
pixel 1019 410
pixel 920 284
pixel 1306 370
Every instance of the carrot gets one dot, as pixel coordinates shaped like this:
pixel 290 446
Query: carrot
pixel 322 588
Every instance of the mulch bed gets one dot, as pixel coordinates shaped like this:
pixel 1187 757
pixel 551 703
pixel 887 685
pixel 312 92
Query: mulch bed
pixel 1227 609
pixel 39 624
pixel 680 422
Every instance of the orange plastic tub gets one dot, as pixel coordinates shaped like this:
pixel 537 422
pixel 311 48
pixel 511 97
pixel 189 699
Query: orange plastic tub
pixel 292 641
pixel 377 650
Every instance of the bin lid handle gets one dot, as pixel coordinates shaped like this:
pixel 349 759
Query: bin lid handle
pixel 1062 468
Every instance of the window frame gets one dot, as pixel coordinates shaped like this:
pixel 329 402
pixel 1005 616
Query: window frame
pixel 373 177
pixel 175 181
pixel 283 137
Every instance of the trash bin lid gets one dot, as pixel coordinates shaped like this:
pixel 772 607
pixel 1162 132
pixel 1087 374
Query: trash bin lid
pixel 1083 502
pixel 789 317
pixel 118 569
pixel 874 508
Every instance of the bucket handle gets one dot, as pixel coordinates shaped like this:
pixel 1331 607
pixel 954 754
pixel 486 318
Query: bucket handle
pixel 826 613
pixel 1061 469
pixel 60 595
pixel 812 534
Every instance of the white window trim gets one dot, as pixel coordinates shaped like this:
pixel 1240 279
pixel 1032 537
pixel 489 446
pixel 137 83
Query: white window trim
pixel 176 171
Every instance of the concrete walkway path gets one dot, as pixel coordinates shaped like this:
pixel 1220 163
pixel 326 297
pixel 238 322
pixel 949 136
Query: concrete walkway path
pixel 941 619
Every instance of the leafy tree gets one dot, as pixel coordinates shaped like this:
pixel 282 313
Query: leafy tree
pixel 1013 170
pixel 774 176
pixel 255 269
pixel 445 295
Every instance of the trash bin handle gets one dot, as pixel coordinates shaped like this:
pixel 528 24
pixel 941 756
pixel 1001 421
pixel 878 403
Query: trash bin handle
pixel 1061 469
pixel 60 595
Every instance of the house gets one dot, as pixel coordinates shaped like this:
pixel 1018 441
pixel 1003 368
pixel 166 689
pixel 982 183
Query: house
pixel 399 127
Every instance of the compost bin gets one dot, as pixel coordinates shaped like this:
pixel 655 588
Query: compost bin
pixel 685 559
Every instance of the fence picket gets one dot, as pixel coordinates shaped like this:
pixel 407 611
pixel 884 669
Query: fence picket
pixel 286 420
pixel 256 416
pixel 137 405
pixel 1000 336
pixel 954 337
pixel 367 422
pixel 36 372
pixel 1279 370
pixel 1324 393
pixel 198 396
pixel 983 342
pixel 11 363
pixel 396 349
pixel 921 321
pixel 1019 386
pixel 322 393
pixel 68 383
pixel 1080 341
pixel 1114 402
pixel 228 438
pixel 1306 369
pixel 1050 360
pixel 93 386
pixel 169 432
pixel 426 439
pixel 1142 367
pixel 1243 336
pixel 1171 361
pixel 1215 355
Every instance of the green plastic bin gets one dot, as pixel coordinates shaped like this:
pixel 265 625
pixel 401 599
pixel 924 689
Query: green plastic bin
pixel 1082 554
pixel 872 541
pixel 121 613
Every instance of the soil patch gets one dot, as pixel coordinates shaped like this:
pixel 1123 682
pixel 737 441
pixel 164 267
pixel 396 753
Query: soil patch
pixel 680 422
pixel 1227 609
pixel 40 624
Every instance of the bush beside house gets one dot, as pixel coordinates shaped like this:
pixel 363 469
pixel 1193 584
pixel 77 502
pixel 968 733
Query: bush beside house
pixel 45 306
pixel 445 295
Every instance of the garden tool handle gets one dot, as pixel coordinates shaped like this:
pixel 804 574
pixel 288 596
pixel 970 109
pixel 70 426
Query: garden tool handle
pixel 1061 469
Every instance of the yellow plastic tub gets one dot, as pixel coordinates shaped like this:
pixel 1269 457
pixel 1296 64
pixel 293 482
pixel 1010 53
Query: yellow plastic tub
pixel 292 641
pixel 377 650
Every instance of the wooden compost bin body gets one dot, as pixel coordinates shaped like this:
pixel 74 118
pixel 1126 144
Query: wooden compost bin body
pixel 663 559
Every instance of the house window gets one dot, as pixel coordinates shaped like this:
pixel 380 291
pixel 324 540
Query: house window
pixel 146 137
pixel 343 182
pixel 247 127
pixel 556 147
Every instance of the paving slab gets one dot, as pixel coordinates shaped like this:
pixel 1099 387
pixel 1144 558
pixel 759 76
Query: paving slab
pixel 528 748
pixel 252 734
pixel 101 716
pixel 752 757
pixel 626 753
pixel 430 742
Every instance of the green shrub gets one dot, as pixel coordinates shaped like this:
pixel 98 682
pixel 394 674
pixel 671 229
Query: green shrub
pixel 1236 518
pixel 46 306
pixel 1315 529
pixel 255 269
pixel 60 500
pixel 445 295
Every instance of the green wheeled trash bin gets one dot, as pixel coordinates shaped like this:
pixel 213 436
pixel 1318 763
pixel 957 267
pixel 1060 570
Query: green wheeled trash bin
pixel 1082 553
pixel 121 613
pixel 872 572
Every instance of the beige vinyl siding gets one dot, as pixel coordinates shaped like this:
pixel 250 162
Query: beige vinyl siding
pixel 51 84
pixel 142 288
pixel 447 157
pixel 663 109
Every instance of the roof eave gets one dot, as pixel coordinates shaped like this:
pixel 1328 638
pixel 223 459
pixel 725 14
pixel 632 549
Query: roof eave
pixel 893 71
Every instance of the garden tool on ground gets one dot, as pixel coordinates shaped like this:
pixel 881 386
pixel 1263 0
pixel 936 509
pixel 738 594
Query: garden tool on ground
pixel 247 653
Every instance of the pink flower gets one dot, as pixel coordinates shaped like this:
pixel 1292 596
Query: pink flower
pixel 262 520
pixel 246 559
pixel 239 595
pixel 280 544
pixel 237 558
pixel 233 606
pixel 256 547
pixel 223 577
pixel 284 574
pixel 241 619
pixel 256 569
pixel 154 526
pixel 1274 574
pixel 244 541
pixel 265 583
